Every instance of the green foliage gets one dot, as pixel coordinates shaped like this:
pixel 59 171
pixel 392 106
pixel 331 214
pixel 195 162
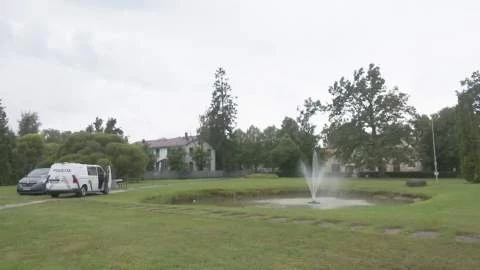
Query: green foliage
pixel 468 110
pixel 54 135
pixel 128 160
pixel 28 123
pixel 150 156
pixel 369 124
pixel 200 157
pixel 445 137
pixel 248 147
pixel 7 144
pixel 28 153
pixel 110 127
pixel 176 159
pixel 49 155
pixel 269 142
pixel 286 156
pixel 218 123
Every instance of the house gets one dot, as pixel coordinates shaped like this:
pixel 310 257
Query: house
pixel 160 149
pixel 335 167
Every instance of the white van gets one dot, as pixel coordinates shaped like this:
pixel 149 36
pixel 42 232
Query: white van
pixel 78 178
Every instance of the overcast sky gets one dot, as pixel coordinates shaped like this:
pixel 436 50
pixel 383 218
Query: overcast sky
pixel 151 64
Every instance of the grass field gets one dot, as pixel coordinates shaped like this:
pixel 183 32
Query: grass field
pixel 138 229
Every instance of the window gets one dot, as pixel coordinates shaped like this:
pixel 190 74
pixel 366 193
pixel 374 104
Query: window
pixel 91 170
pixel 396 166
pixel 190 150
pixel 191 166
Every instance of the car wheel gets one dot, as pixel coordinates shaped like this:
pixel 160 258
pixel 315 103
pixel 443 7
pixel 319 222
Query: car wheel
pixel 54 195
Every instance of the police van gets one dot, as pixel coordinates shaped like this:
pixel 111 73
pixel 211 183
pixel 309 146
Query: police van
pixel 78 178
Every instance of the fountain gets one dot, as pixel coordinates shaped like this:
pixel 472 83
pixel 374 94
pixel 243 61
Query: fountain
pixel 313 176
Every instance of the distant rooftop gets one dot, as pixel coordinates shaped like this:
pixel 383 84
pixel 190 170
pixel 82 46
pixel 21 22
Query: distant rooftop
pixel 172 142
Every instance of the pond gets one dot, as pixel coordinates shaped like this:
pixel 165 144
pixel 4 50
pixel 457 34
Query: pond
pixel 295 200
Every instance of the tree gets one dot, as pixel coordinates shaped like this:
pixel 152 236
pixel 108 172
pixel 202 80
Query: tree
pixel 55 136
pixel 7 143
pixel 201 158
pixel 269 142
pixel 28 153
pixel 369 124
pixel 128 160
pixel 111 128
pixel 98 124
pixel 468 111
pixel 286 156
pixel 307 140
pixel 176 159
pixel 218 123
pixel 445 137
pixel 252 150
pixel 28 123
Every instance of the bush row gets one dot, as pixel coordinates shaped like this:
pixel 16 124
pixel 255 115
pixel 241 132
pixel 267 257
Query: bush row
pixel 407 174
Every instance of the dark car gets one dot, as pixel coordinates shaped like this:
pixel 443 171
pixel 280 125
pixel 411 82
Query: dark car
pixel 34 182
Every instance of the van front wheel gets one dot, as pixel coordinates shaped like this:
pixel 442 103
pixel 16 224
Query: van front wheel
pixel 82 192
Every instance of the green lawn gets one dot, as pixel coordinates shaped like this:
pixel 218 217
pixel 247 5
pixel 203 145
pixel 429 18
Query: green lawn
pixel 137 229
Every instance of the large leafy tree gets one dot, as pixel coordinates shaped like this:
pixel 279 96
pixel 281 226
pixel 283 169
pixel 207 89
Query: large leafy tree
pixel 307 139
pixel 128 160
pixel 28 123
pixel 218 122
pixel 201 157
pixel 7 143
pixel 176 159
pixel 110 127
pixel 252 150
pixel 369 123
pixel 51 135
pixel 445 137
pixel 286 156
pixel 269 142
pixel 29 151
pixel 468 121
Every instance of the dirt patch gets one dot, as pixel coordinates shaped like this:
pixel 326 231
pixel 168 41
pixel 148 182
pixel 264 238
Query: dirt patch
pixel 278 219
pixel 328 224
pixel 425 234
pixel 234 214
pixel 303 221
pixel 358 227
pixel 7 206
pixel 392 230
pixel 468 238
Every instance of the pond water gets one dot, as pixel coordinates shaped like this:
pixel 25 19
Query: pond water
pixel 296 200
pixel 321 202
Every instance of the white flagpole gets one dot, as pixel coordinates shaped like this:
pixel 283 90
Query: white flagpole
pixel 434 154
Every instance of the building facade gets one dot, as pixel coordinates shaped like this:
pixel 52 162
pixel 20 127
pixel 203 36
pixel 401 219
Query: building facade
pixel 189 144
pixel 335 167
